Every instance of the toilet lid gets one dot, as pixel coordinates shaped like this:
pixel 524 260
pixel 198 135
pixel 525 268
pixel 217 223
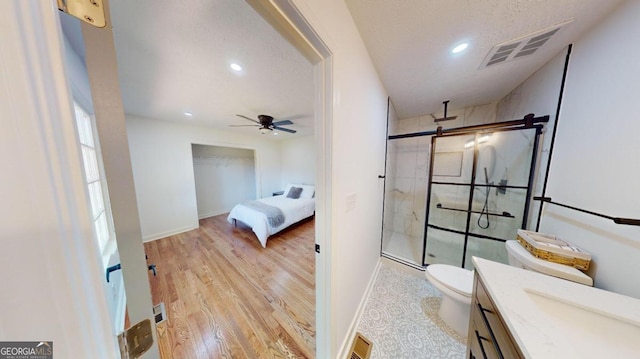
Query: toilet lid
pixel 457 279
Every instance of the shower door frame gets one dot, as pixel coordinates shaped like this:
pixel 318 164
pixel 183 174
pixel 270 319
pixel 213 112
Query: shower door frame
pixel 477 130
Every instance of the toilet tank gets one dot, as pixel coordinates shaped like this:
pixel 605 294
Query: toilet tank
pixel 514 262
pixel 512 248
pixel 519 257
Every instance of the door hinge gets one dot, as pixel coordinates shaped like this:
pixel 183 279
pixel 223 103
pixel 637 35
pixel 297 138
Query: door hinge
pixel 89 11
pixel 136 340
pixel 317 248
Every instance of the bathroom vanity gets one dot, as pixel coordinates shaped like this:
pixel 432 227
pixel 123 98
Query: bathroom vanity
pixel 517 313
pixel 488 335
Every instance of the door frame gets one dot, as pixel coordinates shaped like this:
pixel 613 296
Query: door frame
pixel 286 17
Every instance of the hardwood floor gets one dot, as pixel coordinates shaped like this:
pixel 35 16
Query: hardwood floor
pixel 227 297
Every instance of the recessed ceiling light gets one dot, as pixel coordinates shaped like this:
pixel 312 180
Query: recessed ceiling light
pixel 236 67
pixel 275 133
pixel 188 114
pixel 460 48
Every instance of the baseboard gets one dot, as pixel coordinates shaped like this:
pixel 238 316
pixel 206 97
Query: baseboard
pixel 172 232
pixel 213 213
pixel 351 333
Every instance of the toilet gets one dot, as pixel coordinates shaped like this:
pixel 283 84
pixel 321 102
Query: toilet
pixel 456 284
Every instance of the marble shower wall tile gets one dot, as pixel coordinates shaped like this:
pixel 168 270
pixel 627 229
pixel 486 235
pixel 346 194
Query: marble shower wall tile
pixel 408 167
pixel 481 114
pixel 403 194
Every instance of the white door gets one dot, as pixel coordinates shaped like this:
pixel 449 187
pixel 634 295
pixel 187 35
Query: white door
pixel 51 269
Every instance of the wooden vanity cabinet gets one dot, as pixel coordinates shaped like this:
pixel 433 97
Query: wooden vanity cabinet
pixel 488 336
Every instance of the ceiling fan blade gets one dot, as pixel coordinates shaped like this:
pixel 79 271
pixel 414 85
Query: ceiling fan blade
pixel 284 129
pixel 247 118
pixel 244 125
pixel 284 122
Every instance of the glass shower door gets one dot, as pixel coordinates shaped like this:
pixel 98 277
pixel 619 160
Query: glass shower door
pixel 448 199
pixel 405 195
pixel 473 211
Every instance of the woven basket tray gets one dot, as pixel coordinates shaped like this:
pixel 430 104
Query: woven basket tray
pixel 553 249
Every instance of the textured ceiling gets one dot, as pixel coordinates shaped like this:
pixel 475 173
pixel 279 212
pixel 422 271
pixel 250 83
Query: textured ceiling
pixel 174 57
pixel 410 41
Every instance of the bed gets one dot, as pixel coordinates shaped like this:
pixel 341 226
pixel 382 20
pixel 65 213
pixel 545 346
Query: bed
pixel 270 215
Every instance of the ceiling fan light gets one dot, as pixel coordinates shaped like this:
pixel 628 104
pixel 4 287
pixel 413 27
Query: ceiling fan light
pixel 264 131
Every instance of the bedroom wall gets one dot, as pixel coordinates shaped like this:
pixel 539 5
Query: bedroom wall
pixel 595 164
pixel 224 177
pixel 359 117
pixel 298 160
pixel 163 171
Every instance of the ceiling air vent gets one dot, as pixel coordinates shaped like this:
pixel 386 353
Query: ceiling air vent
pixel 521 47
pixel 361 347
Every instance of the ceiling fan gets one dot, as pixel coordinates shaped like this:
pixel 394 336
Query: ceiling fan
pixel 266 124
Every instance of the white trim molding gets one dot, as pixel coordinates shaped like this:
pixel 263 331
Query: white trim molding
pixel 156 236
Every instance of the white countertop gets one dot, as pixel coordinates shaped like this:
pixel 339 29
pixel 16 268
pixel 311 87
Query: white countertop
pixel 554 318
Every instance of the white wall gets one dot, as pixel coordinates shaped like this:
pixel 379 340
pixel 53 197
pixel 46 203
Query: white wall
pixel 163 171
pixel 595 162
pixel 298 160
pixel 224 177
pixel 358 142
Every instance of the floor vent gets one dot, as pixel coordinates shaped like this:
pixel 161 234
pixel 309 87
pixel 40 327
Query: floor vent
pixel 159 313
pixel 521 47
pixel 361 347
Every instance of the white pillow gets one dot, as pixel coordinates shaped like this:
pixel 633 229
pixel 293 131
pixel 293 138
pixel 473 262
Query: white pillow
pixel 308 191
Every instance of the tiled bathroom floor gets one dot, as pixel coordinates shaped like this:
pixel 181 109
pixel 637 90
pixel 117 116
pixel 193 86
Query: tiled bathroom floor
pixel 404 247
pixel 401 317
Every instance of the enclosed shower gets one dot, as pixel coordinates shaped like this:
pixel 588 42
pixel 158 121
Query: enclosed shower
pixel 456 193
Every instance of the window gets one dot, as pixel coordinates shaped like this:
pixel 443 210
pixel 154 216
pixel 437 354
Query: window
pixel 100 211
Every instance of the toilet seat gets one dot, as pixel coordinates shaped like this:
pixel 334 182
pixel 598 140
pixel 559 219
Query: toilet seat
pixel 457 279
